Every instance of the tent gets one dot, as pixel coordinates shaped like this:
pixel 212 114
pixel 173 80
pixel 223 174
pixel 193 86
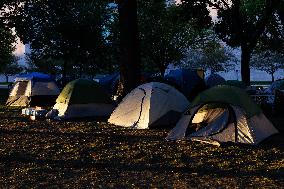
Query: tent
pixel 150 105
pixel 83 98
pixel 187 81
pixel 223 114
pixel 110 82
pixel 34 89
pixel 214 80
pixel 276 85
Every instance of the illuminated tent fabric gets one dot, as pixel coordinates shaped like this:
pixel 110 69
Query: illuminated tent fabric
pixel 214 80
pixel 34 89
pixel 83 98
pixel 150 105
pixel 223 114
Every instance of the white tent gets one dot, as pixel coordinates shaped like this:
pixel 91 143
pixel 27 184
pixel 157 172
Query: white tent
pixel 216 116
pixel 33 90
pixel 150 105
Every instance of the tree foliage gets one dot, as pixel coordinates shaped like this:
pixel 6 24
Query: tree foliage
pixel 7 40
pixel 210 55
pixel 167 30
pixel 70 31
pixel 268 61
pixel 242 22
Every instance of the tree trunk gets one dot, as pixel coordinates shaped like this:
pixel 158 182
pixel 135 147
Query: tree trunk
pixel 64 72
pixel 129 53
pixel 272 77
pixel 162 69
pixel 7 78
pixel 245 68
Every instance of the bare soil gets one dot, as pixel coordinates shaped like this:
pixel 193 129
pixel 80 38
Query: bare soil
pixel 90 154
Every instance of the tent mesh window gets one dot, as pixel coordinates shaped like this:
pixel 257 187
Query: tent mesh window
pixel 194 127
pixel 22 88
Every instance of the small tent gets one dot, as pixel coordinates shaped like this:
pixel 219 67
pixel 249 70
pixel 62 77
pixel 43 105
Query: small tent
pixel 276 85
pixel 34 89
pixel 223 114
pixel 150 105
pixel 187 81
pixel 83 98
pixel 214 80
pixel 110 82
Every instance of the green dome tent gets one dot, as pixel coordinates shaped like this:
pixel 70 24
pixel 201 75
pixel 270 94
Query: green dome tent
pixel 223 114
pixel 83 98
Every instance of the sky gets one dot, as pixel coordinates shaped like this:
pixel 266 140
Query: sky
pixel 20 48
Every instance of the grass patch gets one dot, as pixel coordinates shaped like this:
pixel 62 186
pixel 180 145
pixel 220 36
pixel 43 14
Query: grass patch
pixel 5 83
pixel 261 82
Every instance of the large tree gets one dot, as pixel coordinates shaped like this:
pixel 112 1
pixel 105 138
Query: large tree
pixel 129 45
pixel 268 61
pixel 7 40
pixel 167 31
pixel 241 23
pixel 210 55
pixel 72 32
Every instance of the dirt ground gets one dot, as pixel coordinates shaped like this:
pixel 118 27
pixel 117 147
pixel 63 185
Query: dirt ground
pixel 41 154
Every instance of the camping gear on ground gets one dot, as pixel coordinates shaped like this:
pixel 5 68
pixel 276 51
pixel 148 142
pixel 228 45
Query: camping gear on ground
pixel 150 105
pixel 27 111
pixel 83 98
pixel 52 114
pixel 214 80
pixel 34 89
pixel 38 114
pixel 187 81
pixel 223 114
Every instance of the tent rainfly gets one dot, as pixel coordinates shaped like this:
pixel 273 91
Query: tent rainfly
pixel 83 98
pixel 214 80
pixel 34 89
pixel 187 81
pixel 223 114
pixel 150 105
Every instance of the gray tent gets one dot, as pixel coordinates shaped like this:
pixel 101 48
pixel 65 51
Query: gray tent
pixel 223 114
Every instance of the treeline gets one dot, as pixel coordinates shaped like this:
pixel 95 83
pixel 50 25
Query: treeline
pixel 79 37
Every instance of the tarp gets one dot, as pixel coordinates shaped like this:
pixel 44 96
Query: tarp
pixel 35 76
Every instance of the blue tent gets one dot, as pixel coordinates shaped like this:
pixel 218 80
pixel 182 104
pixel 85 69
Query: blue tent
pixel 214 80
pixel 109 82
pixel 35 76
pixel 187 81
